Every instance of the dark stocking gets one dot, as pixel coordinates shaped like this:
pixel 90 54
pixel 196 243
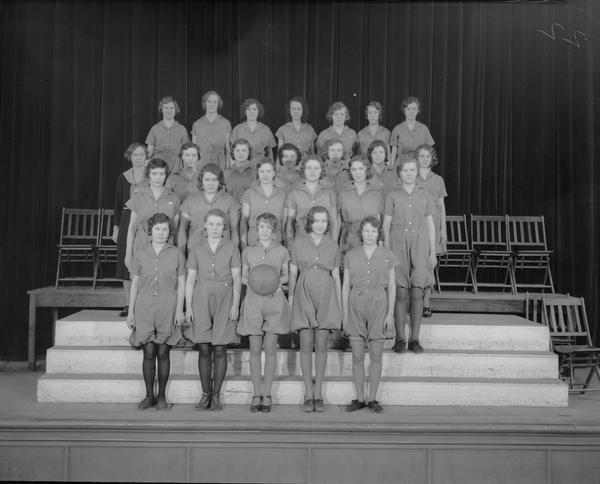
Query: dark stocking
pixel 164 367
pixel 220 366
pixel 149 368
pixel 205 366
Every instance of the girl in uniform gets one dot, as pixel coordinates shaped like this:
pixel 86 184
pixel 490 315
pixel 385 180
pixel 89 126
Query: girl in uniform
pixel 156 306
pixel 211 195
pixel 212 301
pixel 288 174
pixel 310 193
pixel 337 115
pixel 315 299
pixel 242 173
pixel 410 234
pixel 373 131
pixel 211 132
pixel 368 309
pixel 128 183
pixel 336 166
pixel 262 196
pixel 297 131
pixel 383 177
pixel 259 135
pixel 166 138
pixel 146 202
pixel 434 184
pixel 262 318
pixel 185 180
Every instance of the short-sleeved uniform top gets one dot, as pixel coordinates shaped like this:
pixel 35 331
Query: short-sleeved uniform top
pixel 337 175
pixel 409 140
pixel 195 208
pixel 260 203
pixel 275 255
pixel 365 138
pixel 181 184
pixel 386 181
pixel 348 139
pixel 238 181
pixel 303 139
pixel 145 205
pixel 436 187
pixel 354 208
pixel 212 138
pixel 286 178
pixel 301 201
pixel 158 273
pixel 259 139
pixel 167 142
pixel 213 267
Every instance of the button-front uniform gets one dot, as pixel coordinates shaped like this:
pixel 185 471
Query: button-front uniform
pixel 384 181
pixel 167 142
pixel 348 139
pixel 337 175
pixel 212 138
pixel 435 186
pixel 182 184
pixel 237 180
pixel 406 139
pixel 260 203
pixel 354 208
pixel 365 138
pixel 286 178
pixel 260 138
pixel 303 138
pixel 301 200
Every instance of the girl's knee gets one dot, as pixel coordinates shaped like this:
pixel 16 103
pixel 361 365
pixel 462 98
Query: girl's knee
pixel 402 293
pixel 163 351
pixel 204 350
pixel 375 357
pixel 220 351
pixel 149 351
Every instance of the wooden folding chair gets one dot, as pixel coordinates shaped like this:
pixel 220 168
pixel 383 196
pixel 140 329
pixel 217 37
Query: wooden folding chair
pixel 570 337
pixel 527 241
pixel 77 244
pixel 106 253
pixel 489 241
pixel 458 256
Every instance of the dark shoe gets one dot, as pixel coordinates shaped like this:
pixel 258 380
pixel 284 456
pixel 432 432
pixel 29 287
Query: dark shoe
pixel 147 403
pixel 355 405
pixel 204 403
pixel 215 402
pixel 256 405
pixel 427 312
pixel 375 406
pixel 161 404
pixel 124 312
pixel 319 405
pixel 267 402
pixel 415 347
pixel 399 346
pixel 308 405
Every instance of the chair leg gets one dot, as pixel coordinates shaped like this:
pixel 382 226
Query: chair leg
pixel 58 268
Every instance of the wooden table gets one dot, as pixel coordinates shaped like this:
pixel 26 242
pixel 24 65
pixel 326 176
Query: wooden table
pixel 68 297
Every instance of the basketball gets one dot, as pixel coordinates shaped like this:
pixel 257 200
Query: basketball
pixel 263 279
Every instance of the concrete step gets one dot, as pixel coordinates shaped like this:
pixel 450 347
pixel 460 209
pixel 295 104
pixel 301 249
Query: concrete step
pixel 105 388
pixel 433 363
pixel 450 331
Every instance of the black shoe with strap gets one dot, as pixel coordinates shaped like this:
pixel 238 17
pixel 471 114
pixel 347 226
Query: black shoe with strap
pixel 355 405
pixel 375 406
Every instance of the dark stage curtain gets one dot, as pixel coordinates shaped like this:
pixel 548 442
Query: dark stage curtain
pixel 512 109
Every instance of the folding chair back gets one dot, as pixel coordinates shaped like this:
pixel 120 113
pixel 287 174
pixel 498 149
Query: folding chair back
pixel 105 231
pixel 488 232
pixel 458 255
pixel 527 233
pixel 79 227
pixel 456 229
pixel 107 249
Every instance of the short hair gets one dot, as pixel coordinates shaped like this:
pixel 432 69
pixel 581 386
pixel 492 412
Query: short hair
pixel 308 158
pixel 157 163
pixel 289 147
pixel 373 221
pixel 374 145
pixel 365 162
pixel 249 102
pixel 432 152
pixel 167 100
pixel 407 159
pixel 241 141
pixel 409 100
pixel 336 106
pixel 305 110
pixel 265 161
pixel 187 146
pixel 159 218
pixel 377 105
pixel 213 169
pixel 205 97
pixel 268 218
pixel 310 218
pixel 329 143
pixel 216 212
pixel 132 147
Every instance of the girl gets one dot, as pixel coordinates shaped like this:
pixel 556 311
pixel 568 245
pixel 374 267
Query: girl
pixel 259 135
pixel 373 131
pixel 242 173
pixel 264 317
pixel 410 234
pixel 297 131
pixel 337 115
pixel 211 132
pixel 434 184
pixel 409 134
pixel 156 306
pixel 335 165
pixel 384 177
pixel 166 138
pixel 212 301
pixel 211 195
pixel 185 180
pixel 315 300
pixel 128 183
pixel 310 193
pixel 262 196
pixel 368 311
pixel 146 202
pixel 287 174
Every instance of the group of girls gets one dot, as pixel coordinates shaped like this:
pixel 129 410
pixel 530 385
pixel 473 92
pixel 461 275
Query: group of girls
pixel 191 229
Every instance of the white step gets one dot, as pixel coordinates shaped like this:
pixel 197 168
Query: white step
pixel 336 391
pixel 434 363
pixel 449 331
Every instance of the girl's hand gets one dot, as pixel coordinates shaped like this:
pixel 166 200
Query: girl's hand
pixel 444 237
pixel 388 322
pixel 432 260
pixel 115 234
pixel 291 301
pixel 234 313
pixel 130 320
pixel 179 318
pixel 128 261
pixel 189 316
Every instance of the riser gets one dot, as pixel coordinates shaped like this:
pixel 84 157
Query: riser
pixel 430 364
pixel 539 393
pixel 434 335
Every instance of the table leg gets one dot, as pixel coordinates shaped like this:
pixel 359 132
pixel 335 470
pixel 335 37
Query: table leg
pixel 31 340
pixel 54 319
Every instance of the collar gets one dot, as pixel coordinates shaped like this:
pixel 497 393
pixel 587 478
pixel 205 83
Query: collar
pixel 150 250
pixel 174 125
pixel 204 243
pixel 270 247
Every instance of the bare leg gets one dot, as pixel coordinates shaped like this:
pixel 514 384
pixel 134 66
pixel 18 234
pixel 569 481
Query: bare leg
pixel 358 367
pixel 127 289
pixel 416 312
pixel 375 350
pixel 321 347
pixel 307 341
pixel 427 297
pixel 255 362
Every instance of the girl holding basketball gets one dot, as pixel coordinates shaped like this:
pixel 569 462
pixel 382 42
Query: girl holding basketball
pixel 265 311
